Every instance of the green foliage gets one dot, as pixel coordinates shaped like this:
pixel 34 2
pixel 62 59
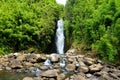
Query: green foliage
pixel 105 49
pixel 26 23
pixel 95 24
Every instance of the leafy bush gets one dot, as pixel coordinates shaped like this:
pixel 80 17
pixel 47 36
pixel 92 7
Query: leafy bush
pixel 105 49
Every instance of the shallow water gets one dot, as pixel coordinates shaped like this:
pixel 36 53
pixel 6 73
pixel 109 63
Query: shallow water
pixel 12 75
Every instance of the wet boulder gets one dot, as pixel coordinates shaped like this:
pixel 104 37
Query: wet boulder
pixel 54 57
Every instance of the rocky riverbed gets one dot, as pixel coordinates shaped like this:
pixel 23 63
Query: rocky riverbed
pixel 75 66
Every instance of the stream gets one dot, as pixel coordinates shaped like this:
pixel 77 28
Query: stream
pixel 13 75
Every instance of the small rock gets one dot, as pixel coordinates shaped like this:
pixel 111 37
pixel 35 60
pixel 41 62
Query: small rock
pixel 100 73
pixel 71 52
pixel 113 76
pixel 16 64
pixel 89 61
pixel 71 59
pixel 95 67
pixel 21 58
pixel 81 56
pixel 38 78
pixel 8 68
pixel 70 67
pixel 11 56
pixel 52 79
pixel 67 79
pixel 105 77
pixel 17 54
pixel 28 78
pixel 43 67
pixel 54 57
pixel 49 74
pixel 61 77
pixel 43 58
pixel 29 64
pixel 80 77
pixel 32 68
pixel 84 69
pixel 88 75
pixel 31 58
pixel 38 56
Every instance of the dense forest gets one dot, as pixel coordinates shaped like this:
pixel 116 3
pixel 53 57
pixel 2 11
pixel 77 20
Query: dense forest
pixel 27 24
pixel 90 26
pixel 94 25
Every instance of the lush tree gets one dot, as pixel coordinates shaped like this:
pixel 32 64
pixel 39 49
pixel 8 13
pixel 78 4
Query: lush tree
pixel 94 25
pixel 27 23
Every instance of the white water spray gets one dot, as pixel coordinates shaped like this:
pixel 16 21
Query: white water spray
pixel 60 37
pixel 47 63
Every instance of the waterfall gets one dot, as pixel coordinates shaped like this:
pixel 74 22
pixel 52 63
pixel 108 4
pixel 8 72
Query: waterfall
pixel 60 37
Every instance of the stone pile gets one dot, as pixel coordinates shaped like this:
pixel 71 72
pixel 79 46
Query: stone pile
pixel 77 66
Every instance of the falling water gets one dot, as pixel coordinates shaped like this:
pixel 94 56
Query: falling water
pixel 60 37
